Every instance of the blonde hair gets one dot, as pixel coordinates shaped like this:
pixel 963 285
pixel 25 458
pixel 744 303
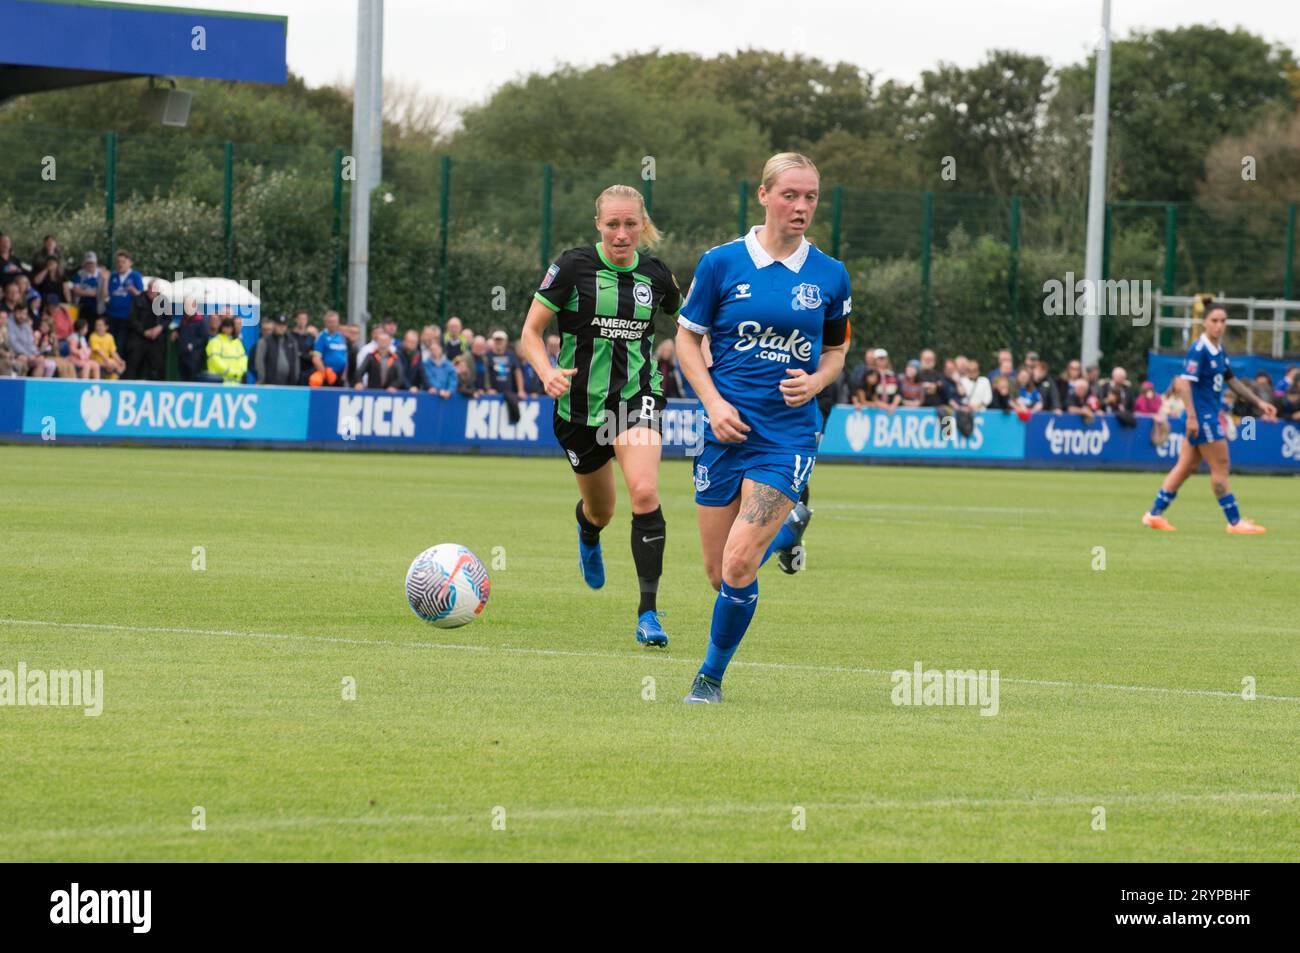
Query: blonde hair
pixel 782 162
pixel 650 235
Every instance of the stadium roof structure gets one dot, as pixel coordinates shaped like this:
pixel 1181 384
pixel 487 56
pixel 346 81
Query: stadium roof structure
pixel 54 44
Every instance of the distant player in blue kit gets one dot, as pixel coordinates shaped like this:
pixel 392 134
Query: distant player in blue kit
pixel 776 311
pixel 1200 385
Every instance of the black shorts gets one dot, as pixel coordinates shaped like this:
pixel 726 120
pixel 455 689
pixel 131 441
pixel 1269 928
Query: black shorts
pixel 590 448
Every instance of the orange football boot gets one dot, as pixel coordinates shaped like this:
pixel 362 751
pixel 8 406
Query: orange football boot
pixel 1246 526
pixel 1158 522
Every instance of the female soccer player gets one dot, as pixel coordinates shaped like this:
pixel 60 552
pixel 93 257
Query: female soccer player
pixel 1201 388
pixel 607 387
pixel 776 312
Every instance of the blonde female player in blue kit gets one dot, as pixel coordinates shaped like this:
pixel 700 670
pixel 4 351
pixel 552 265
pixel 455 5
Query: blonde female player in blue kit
pixel 776 311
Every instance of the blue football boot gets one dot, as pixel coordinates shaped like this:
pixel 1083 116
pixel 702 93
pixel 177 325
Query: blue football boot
pixel 592 562
pixel 649 631
pixel 704 691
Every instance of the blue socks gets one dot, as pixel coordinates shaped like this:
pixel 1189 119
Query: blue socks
pixel 784 539
pixel 732 613
pixel 1229 504
pixel 1163 499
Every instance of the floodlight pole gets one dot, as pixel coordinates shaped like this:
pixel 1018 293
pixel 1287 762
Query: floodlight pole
pixel 1091 349
pixel 367 126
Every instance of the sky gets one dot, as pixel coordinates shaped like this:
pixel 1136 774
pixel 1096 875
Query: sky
pixel 461 50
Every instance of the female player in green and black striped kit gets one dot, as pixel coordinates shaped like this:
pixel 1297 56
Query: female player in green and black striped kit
pixel 607 387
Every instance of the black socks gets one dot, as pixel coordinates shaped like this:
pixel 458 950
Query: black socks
pixel 590 531
pixel 648 533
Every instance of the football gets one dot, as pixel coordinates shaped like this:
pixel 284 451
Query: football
pixel 447 586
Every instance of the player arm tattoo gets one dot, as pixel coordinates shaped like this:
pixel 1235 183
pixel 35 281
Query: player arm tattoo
pixel 1239 388
pixel 764 505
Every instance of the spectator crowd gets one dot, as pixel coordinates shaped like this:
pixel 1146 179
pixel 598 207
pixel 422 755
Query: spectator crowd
pixel 959 388
pixel 95 324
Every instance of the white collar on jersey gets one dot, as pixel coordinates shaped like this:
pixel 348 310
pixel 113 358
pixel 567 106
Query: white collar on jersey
pixel 1208 346
pixel 758 254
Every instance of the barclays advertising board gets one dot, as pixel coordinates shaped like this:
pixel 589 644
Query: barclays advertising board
pixel 171 411
pixel 920 433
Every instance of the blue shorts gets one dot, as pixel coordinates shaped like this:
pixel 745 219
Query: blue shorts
pixel 1211 430
pixel 721 467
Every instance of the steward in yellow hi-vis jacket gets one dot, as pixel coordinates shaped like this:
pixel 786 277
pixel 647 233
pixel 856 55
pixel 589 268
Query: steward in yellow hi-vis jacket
pixel 227 359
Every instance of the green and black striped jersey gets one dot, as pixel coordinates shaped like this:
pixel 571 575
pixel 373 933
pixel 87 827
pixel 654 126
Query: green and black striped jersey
pixel 605 313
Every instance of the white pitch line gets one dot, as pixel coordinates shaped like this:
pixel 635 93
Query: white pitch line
pixel 640 657
pixel 634 812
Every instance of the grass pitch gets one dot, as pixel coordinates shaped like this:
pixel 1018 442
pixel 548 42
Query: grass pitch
pixel 1120 687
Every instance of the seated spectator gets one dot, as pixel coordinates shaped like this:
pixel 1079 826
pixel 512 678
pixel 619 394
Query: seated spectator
pixel 465 377
pixel 887 395
pixel 49 249
pixel 192 341
pixel 1289 405
pixel 1262 385
pixel 505 376
pixel 452 344
pixel 409 354
pixel 381 369
pixel 1065 383
pixel 858 374
pixel 1083 401
pixel 30 295
pixel 7 355
pixel 1284 383
pixel 227 359
pixel 22 339
pixel 911 391
pixel 865 390
pixel 1116 397
pixel 10 266
pixel 1171 406
pixel 79 354
pixel 352 334
pixel 437 375
pixel 330 354
pixel 89 286
pixel 975 388
pixel 1048 388
pixel 931 379
pixel 1029 399
pixel 1148 401
pixel 275 357
pixel 103 351
pixel 428 334
pixel 304 338
pixel 479 363
pixel 59 317
pixel 1093 377
pixel 1006 367
pixel 47 346
pixel 49 281
pixel 952 394
pixel 1003 399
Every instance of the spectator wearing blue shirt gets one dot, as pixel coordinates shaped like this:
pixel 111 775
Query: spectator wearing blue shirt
pixel 331 352
pixel 124 285
pixel 437 374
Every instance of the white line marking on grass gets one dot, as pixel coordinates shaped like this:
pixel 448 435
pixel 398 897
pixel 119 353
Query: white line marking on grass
pixel 633 812
pixel 639 657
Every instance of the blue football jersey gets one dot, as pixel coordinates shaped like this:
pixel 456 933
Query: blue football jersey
pixel 1206 368
pixel 764 317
